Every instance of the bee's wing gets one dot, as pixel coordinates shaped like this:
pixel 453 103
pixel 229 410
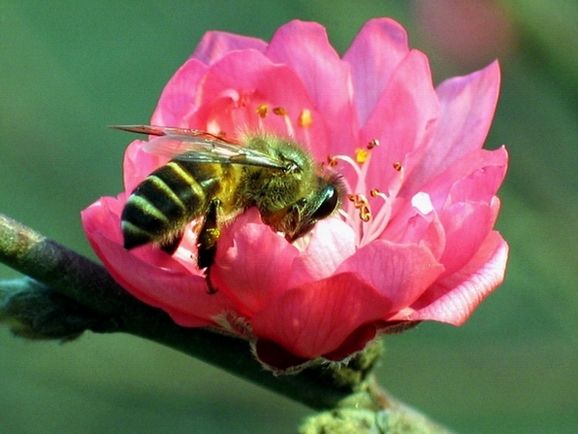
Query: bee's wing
pixel 206 150
pixel 202 147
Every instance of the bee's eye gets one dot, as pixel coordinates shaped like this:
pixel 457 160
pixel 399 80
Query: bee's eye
pixel 328 203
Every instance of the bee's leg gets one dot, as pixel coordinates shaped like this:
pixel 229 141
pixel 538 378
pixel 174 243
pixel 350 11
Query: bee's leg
pixel 207 241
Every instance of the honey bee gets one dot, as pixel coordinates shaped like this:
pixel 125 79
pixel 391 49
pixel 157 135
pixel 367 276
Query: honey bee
pixel 216 179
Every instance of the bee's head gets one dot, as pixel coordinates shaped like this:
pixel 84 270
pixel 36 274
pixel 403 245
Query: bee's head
pixel 319 203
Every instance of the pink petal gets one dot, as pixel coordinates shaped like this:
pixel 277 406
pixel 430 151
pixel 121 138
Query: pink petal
pixel 215 45
pixel 178 96
pixel 375 52
pixel 403 118
pixel 103 216
pixel 331 243
pixel 400 272
pixel 409 226
pixel 315 319
pixel 453 299
pixel 468 105
pixel 485 170
pixel 305 48
pixel 467 109
pixel 253 263
pixel 483 183
pixel 278 359
pixel 466 225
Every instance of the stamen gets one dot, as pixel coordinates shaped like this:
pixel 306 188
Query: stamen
pixel 262 110
pixel 361 155
pixel 373 144
pixel 332 161
pixel 349 161
pixel 380 220
pixel 280 111
pixel 358 199
pixel 346 216
pixel 361 203
pixel 305 119
pixel 368 220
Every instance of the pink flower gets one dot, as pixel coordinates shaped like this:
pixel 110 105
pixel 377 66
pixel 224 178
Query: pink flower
pixel 413 242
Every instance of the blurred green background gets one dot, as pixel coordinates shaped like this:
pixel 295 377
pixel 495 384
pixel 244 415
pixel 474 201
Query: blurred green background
pixel 68 69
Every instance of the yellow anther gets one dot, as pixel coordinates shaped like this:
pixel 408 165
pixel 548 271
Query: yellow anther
pixel 397 166
pixel 262 110
pixel 332 161
pixel 280 111
pixel 361 203
pixel 361 155
pixel 305 119
pixel 359 200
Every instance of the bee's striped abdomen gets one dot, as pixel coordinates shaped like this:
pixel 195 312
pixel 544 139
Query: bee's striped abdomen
pixel 166 200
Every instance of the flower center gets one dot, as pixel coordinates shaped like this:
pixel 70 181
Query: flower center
pixel 368 214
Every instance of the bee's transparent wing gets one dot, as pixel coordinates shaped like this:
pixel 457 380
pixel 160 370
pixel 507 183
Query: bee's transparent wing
pixel 202 147
pixel 186 148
